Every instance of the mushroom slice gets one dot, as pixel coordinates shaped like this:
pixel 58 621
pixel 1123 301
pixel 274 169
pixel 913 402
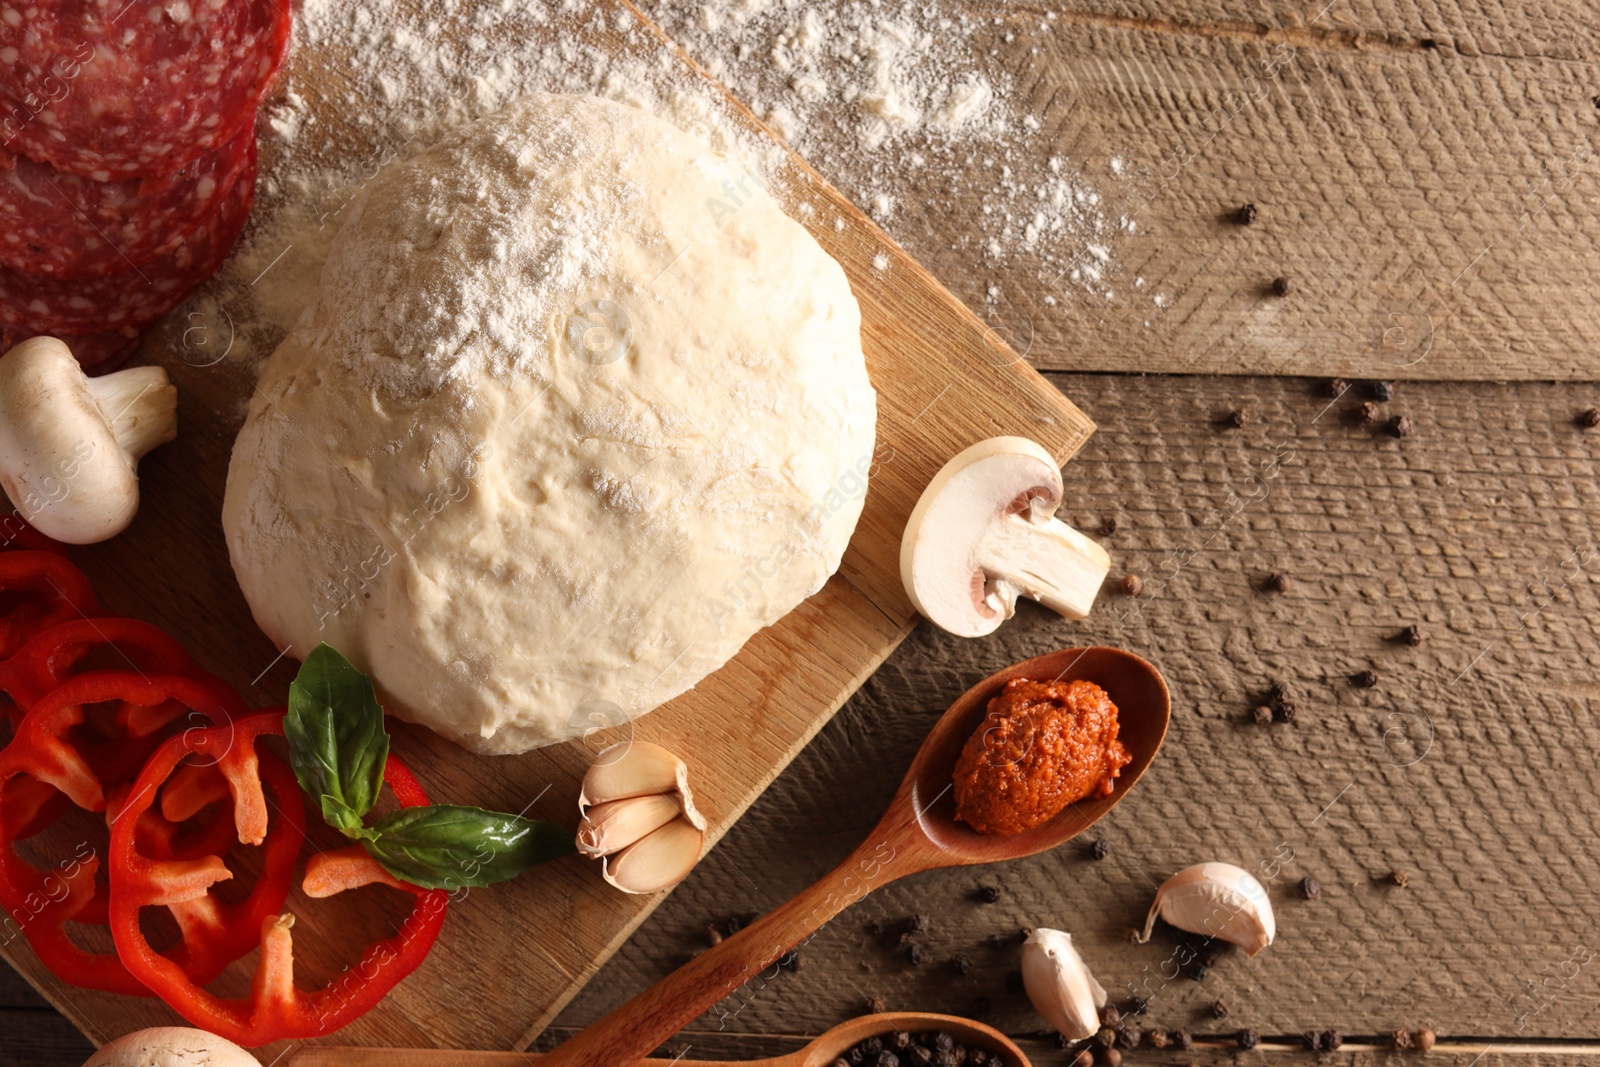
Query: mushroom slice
pixel 70 444
pixel 984 533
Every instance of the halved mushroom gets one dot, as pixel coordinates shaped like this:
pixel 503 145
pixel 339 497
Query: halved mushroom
pixel 70 444
pixel 171 1046
pixel 984 533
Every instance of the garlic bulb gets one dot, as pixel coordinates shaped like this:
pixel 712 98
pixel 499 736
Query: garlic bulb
pixel 1060 986
pixel 1216 900
pixel 639 817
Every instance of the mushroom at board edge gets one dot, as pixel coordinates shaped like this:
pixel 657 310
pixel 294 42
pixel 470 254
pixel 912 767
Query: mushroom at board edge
pixel 984 532
pixel 70 444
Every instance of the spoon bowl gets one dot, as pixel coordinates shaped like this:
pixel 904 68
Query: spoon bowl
pixel 919 832
pixel 1135 687
pixel 823 1051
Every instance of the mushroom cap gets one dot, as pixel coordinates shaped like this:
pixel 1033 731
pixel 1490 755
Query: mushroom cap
pixel 939 551
pixel 60 462
pixel 171 1046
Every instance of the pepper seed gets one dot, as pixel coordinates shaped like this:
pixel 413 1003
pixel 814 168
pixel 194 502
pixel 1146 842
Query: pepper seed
pixel 1337 387
pixel 1364 679
pixel 1238 418
pixel 1401 1039
pixel 1588 419
pixel 1399 879
pixel 989 894
pixel 1249 1038
pixel 1100 849
pixel 1132 585
pixel 1219 1009
pixel 1411 635
pixel 1383 392
pixel 1247 215
pixel 1310 888
pixel 1108 527
pixel 1401 426
pixel 1282 286
pixel 1368 413
pixel 1279 583
pixel 1261 714
pixel 1285 712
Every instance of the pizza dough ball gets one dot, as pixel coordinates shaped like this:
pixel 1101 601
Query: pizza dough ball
pixel 577 410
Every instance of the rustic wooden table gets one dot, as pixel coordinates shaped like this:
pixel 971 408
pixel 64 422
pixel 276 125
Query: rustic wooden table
pixel 1423 173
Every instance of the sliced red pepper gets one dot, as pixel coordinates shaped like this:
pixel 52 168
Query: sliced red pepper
pixel 56 654
pixel 39 590
pixel 85 741
pixel 276 1009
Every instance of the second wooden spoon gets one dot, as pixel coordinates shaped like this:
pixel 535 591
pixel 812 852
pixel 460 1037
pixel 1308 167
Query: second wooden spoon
pixel 918 833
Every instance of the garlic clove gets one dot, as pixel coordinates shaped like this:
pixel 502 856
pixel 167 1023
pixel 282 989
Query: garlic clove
pixel 658 861
pixel 1060 985
pixel 635 769
pixel 616 824
pixel 1217 900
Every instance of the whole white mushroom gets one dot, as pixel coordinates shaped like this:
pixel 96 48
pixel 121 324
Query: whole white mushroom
pixel 70 444
pixel 171 1046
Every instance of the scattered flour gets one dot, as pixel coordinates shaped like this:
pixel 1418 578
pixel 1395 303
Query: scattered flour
pixel 892 101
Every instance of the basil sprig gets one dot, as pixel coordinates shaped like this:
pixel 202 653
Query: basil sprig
pixel 338 748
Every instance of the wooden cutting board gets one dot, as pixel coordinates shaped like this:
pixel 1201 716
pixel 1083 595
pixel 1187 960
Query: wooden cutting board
pixel 511 956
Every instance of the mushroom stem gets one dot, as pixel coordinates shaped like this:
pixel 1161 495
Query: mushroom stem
pixel 1034 554
pixel 140 406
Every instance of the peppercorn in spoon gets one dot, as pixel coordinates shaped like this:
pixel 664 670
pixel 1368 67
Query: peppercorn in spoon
pixel 824 1051
pixel 918 833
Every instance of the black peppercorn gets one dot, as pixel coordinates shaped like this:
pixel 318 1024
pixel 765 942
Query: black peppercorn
pixel 1183 1038
pixel 1108 527
pixel 989 894
pixel 918 924
pixel 1219 1009
pixel 1282 286
pixel 1100 849
pixel 914 954
pixel 1368 413
pixel 1136 1005
pixel 1364 679
pixel 1285 711
pixel 1330 1040
pixel 1589 419
pixel 1278 582
pixel 886 1059
pixel 921 1055
pixel 1401 426
pixel 1411 635
pixel 1158 1038
pixel 1337 387
pixel 872 1046
pixel 1382 392
pixel 943 1041
pixel 900 1040
pixel 962 965
pixel 1247 215
pixel 1110 1016
pixel 1130 1037
pixel 1238 418
pixel 1278 693
pixel 876 1005
pixel 1261 714
pixel 1310 888
pixel 1106 1036
pixel 1198 971
pixel 1249 1037
pixel 1399 879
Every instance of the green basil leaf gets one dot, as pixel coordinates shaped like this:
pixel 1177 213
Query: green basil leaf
pixel 447 846
pixel 337 743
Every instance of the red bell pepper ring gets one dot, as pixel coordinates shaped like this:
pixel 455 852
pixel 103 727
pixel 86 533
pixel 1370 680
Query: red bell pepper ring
pixel 17 535
pixel 70 648
pixel 89 757
pixel 45 590
pixel 276 1009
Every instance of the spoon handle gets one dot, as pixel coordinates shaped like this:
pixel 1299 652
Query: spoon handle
pixel 743 964
pixel 340 1056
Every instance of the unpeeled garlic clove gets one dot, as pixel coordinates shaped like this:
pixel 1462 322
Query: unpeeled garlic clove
pixel 636 769
pixel 1060 985
pixel 657 861
pixel 616 824
pixel 1217 900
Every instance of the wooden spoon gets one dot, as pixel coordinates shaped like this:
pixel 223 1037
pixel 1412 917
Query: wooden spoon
pixel 918 833
pixel 819 1053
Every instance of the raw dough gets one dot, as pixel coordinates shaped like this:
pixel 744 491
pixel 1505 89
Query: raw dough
pixel 578 410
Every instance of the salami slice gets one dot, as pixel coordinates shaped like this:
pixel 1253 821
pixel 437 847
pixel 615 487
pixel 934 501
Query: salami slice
pixel 118 89
pixel 65 226
pixel 134 297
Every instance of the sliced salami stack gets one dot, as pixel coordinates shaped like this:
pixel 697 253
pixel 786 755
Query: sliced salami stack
pixel 127 158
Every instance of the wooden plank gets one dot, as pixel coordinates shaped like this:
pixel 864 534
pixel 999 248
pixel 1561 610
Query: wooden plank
pixel 1462 528
pixel 944 381
pixel 1424 172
